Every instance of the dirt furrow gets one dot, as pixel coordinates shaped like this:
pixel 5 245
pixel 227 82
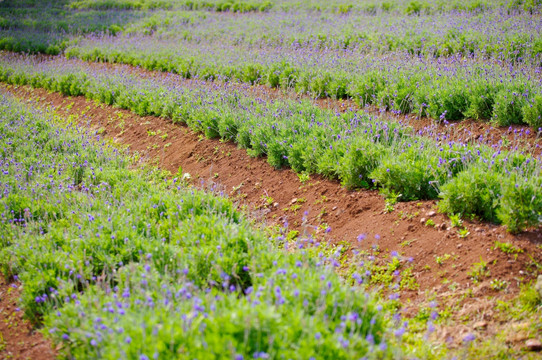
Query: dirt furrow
pixel 467 130
pixel 18 338
pixel 441 257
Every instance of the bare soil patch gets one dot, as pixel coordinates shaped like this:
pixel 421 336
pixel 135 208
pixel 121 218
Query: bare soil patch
pixel 18 339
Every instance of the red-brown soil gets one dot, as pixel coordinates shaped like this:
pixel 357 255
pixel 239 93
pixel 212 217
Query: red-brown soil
pixel 278 196
pixel 18 339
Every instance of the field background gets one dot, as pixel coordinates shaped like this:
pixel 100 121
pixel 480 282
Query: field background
pixel 270 179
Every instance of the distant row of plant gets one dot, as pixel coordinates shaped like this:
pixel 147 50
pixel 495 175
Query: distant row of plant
pixel 46 26
pixel 23 25
pixel 445 89
pixel 120 263
pixel 517 38
pixel 410 7
pixel 470 179
pixel 241 6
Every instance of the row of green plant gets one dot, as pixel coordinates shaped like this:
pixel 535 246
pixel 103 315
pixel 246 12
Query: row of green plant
pixel 120 4
pixel 229 5
pixel 361 151
pixel 19 41
pixel 124 263
pixel 518 40
pixel 47 26
pixel 410 7
pixel 452 95
pixel 373 7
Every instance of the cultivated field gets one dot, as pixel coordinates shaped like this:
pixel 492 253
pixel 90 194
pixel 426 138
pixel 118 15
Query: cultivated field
pixel 230 179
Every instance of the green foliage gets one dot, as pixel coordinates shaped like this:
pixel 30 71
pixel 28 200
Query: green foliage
pixel 532 112
pixel 365 89
pixel 240 6
pixel 481 100
pixel 448 103
pixel 356 149
pixel 479 271
pixel 521 203
pixel 506 192
pixel 183 264
pixel 507 248
pixel 118 4
pixel 530 298
pixel 359 160
pixel 508 107
pixel 413 173
pixel 473 192
pixel 415 7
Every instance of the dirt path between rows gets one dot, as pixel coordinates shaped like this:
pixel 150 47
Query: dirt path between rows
pixel 441 259
pixel 18 339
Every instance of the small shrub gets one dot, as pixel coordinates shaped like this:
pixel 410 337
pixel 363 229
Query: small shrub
pixel 508 108
pixel 361 158
pixel 473 192
pixel 532 112
pixel 521 203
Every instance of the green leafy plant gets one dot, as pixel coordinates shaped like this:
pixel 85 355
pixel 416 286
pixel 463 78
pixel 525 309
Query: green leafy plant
pixel 479 271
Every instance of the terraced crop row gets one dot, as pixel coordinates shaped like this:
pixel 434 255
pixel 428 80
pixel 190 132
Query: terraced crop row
pixel 444 89
pixel 422 62
pixel 121 263
pixel 360 150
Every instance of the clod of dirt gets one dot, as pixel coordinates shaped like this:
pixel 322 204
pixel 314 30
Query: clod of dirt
pixel 480 325
pixel 533 345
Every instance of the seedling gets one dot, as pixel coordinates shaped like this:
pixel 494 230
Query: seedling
pixel 463 233
pixel 441 259
pixel 322 200
pixel 237 188
pixel 389 206
pixel 322 212
pixel 456 220
pixel 406 243
pixel 479 271
pixel 267 199
pixel 295 207
pixel 292 235
pixel 507 248
pixel 303 178
pixel 497 284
